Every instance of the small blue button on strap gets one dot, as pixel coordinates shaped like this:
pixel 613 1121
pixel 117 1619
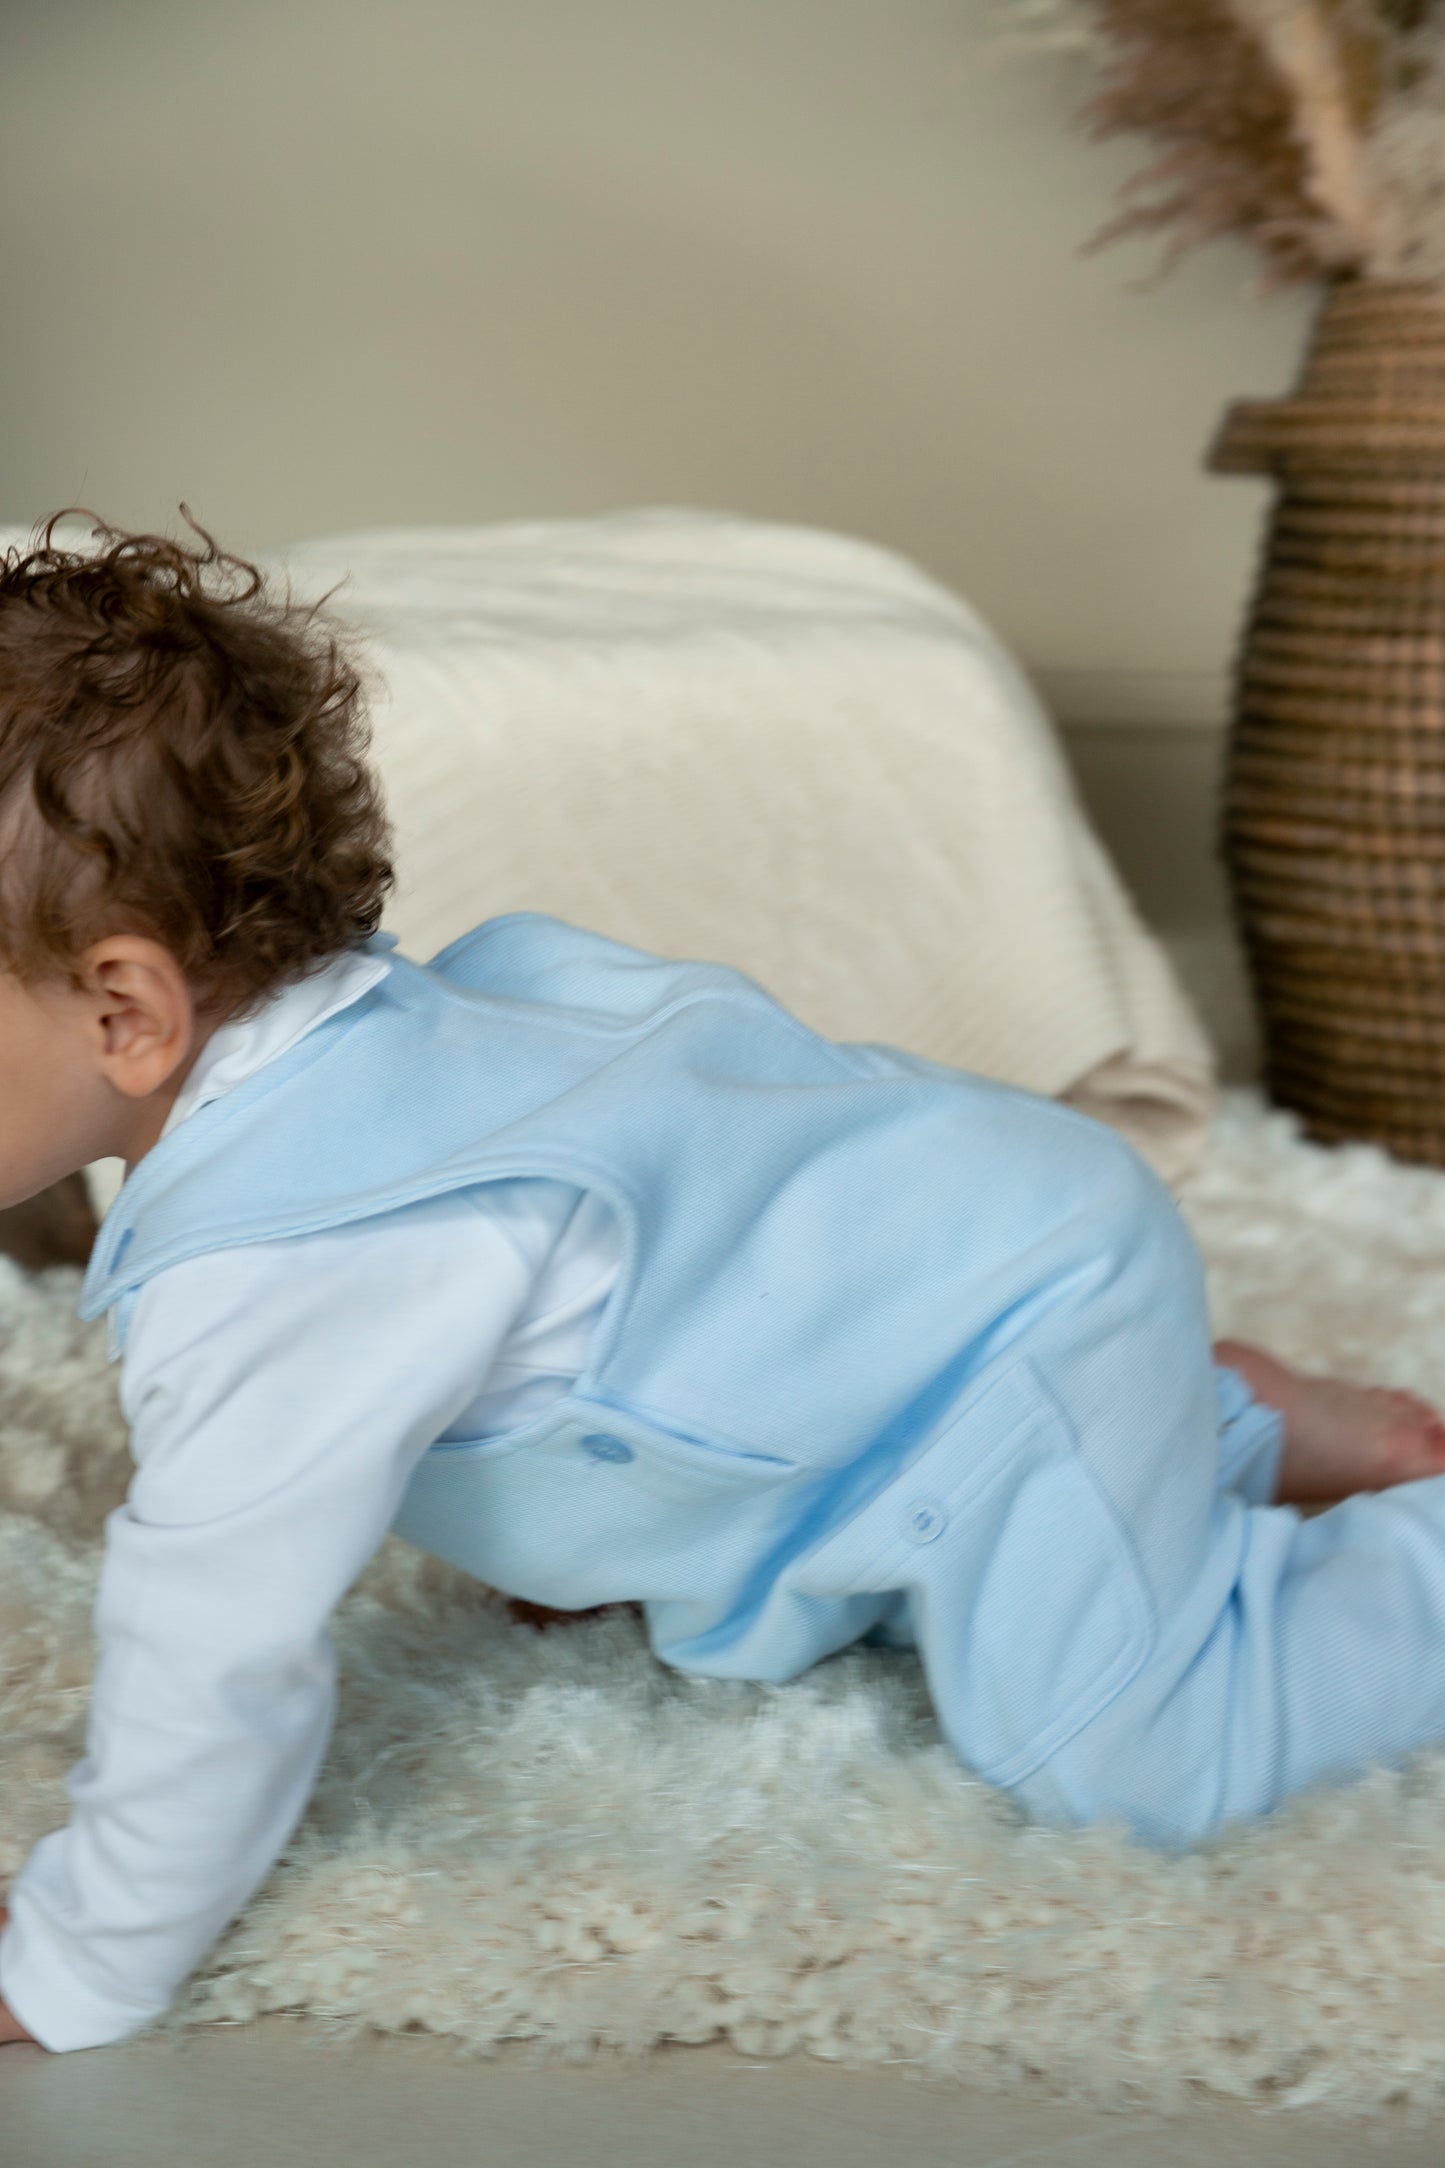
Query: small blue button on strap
pixel 603 1446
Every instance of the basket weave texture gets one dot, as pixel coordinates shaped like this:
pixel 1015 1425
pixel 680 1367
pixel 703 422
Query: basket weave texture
pixel 1334 813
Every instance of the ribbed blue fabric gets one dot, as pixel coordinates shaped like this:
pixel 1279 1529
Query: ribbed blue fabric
pixel 895 1352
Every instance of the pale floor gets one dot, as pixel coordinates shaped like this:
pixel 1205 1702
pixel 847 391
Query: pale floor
pixel 285 2095
pixel 278 2095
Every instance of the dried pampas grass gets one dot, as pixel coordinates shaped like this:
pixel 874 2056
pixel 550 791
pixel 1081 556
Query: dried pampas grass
pixel 1313 128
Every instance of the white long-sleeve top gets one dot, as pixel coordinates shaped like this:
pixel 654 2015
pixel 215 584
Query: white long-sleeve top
pixel 279 1397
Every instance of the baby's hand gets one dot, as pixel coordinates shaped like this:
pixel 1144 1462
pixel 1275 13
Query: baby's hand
pixel 10 2026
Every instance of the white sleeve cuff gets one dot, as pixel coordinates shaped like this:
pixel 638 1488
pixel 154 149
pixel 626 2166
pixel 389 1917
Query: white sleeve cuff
pixel 59 2006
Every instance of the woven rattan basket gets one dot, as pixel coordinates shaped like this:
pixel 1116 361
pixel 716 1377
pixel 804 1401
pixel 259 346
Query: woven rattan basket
pixel 1334 819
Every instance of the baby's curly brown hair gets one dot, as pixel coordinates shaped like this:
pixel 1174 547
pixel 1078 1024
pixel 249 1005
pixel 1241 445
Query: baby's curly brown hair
pixel 182 755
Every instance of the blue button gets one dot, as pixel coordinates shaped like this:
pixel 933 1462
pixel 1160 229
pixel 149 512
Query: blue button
pixel 926 1521
pixel 603 1446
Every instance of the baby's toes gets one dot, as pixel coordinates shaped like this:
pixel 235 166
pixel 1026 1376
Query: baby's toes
pixel 1415 1439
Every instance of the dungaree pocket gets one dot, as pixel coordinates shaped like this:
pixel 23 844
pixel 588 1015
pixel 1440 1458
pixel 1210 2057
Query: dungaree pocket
pixel 1026 1601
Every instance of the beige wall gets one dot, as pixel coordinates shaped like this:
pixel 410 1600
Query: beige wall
pixel 319 264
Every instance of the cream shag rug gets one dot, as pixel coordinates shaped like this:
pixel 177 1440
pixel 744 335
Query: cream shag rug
pixel 552 1837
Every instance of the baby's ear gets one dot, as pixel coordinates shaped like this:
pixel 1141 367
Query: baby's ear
pixel 55 1228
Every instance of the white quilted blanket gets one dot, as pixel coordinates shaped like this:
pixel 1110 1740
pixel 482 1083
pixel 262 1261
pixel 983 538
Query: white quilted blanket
pixel 781 749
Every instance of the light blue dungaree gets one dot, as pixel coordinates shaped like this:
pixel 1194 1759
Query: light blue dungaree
pixel 894 1353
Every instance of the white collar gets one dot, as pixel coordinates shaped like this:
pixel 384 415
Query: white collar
pixel 238 1050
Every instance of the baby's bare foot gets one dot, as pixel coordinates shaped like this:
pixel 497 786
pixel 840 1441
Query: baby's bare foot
pixel 1339 1438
